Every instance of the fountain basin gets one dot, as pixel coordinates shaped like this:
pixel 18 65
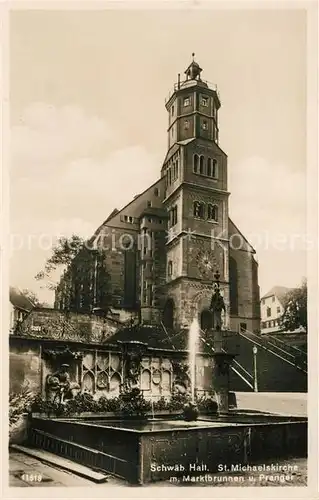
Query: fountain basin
pixel 144 451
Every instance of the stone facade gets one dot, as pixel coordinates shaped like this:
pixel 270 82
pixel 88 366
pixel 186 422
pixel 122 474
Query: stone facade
pixel 178 232
pixel 100 369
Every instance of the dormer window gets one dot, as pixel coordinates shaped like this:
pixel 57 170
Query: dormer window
pixel 204 101
pixel 186 101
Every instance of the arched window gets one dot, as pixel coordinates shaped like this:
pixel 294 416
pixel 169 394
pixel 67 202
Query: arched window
pixel 212 212
pixel 201 164
pixel 215 168
pixel 206 320
pixel 170 268
pixel 195 164
pixel 233 286
pixel 177 161
pixel 186 124
pixel 168 313
pixel 199 209
pixel 209 167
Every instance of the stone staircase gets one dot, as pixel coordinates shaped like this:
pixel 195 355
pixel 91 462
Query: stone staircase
pixel 280 367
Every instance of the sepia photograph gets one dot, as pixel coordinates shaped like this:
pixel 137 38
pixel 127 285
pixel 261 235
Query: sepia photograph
pixel 158 280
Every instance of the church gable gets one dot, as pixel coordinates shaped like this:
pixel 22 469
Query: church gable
pixel 237 239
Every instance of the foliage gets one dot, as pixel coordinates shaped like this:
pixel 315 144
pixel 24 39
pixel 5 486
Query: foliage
pixel 295 308
pixel 63 254
pixel 161 404
pixel 66 353
pixel 41 405
pixel 128 403
pixel 134 403
pixel 19 403
pixel 85 280
pixel 178 401
pixel 80 403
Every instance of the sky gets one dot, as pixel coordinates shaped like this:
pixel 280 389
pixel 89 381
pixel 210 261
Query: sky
pixel 88 123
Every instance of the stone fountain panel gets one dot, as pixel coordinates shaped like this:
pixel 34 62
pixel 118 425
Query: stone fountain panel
pixel 143 451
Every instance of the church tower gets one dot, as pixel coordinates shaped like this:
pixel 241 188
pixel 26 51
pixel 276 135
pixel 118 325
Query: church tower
pixel 196 199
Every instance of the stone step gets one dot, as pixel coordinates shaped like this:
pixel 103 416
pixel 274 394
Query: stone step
pixel 62 463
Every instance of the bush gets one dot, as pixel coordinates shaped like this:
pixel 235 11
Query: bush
pixel 178 401
pixel 161 404
pixel 19 403
pixel 134 403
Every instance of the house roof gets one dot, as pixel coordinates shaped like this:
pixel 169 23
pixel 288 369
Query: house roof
pixel 277 291
pixel 19 300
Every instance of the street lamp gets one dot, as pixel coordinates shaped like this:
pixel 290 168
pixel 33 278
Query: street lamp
pixel 255 350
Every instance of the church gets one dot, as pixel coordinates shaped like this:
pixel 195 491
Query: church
pixel 164 251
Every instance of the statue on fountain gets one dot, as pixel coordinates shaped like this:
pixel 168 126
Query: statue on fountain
pixel 217 304
pixel 59 387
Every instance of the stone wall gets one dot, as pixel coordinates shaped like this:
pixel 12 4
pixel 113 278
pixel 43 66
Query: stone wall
pixel 101 370
pixel 247 283
pixel 56 324
pixel 25 366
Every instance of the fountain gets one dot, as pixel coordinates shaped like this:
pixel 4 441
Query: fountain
pixel 142 450
pixel 192 348
pixel 190 411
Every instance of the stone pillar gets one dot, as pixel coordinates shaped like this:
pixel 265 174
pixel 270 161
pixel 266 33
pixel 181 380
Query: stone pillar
pixel 220 378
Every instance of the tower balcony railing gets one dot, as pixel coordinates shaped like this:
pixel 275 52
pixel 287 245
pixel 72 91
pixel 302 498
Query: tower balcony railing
pixel 191 83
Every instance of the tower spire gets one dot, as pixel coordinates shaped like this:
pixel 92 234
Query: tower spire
pixel 193 71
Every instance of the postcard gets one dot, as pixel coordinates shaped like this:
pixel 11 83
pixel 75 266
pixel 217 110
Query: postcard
pixel 161 230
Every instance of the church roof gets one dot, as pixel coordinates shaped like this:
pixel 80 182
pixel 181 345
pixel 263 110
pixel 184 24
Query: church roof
pixel 160 212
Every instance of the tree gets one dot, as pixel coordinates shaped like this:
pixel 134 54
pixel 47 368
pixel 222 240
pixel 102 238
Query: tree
pixel 295 308
pixel 85 281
